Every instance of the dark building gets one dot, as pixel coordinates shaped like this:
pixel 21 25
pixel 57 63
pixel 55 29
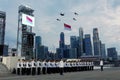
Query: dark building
pixel 62 40
pixel 2 27
pixel 96 43
pixel 60 53
pixel 80 43
pixel 74 42
pixel 61 50
pixel 88 45
pixel 66 53
pixel 73 53
pixel 3 50
pixel 25 36
pixel 112 53
pixel 103 51
pixel 37 46
pixel 43 52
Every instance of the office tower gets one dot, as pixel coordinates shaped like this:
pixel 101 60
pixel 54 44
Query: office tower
pixel 74 47
pixel 73 53
pixel 103 51
pixel 96 43
pixel 3 50
pixel 80 48
pixel 43 52
pixel 37 46
pixel 62 40
pixel 73 42
pixel 2 27
pixel 59 52
pixel 3 47
pixel 112 53
pixel 25 36
pixel 88 45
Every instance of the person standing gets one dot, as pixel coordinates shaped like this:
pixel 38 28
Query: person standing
pixel 38 67
pixel 44 67
pixel 101 64
pixel 33 64
pixel 61 66
pixel 18 67
pixel 28 68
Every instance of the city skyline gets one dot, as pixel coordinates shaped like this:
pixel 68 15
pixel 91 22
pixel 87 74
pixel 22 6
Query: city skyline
pixel 105 17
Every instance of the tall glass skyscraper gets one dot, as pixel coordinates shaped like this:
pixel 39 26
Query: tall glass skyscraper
pixel 87 45
pixel 112 53
pixel 80 48
pixel 103 51
pixel 73 42
pixel 37 46
pixel 96 43
pixel 74 47
pixel 25 36
pixel 3 47
pixel 2 27
pixel 62 40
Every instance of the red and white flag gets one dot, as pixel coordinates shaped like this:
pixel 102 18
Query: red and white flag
pixel 67 27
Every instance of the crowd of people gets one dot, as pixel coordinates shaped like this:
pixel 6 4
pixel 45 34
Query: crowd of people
pixel 32 67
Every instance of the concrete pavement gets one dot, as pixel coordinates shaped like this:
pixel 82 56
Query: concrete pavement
pixel 107 74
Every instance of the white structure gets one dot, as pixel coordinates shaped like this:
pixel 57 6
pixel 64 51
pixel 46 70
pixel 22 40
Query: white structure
pixel 11 62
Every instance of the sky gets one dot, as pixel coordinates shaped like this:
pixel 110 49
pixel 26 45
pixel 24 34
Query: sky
pixel 101 14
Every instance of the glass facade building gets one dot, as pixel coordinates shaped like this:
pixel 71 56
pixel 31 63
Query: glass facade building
pixel 96 43
pixel 87 45
pixel 112 53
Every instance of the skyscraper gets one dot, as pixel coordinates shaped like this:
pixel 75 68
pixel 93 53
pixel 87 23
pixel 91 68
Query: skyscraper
pixel 87 45
pixel 62 40
pixel 2 27
pixel 96 43
pixel 103 51
pixel 112 53
pixel 25 36
pixel 80 48
pixel 3 47
pixel 73 42
pixel 43 52
pixel 37 46
pixel 74 47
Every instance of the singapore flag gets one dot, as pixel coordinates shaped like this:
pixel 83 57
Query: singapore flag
pixel 28 20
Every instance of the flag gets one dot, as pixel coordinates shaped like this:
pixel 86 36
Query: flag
pixel 67 27
pixel 29 19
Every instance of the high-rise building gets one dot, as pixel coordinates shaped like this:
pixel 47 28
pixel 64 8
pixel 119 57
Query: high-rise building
pixel 60 51
pixel 80 48
pixel 3 50
pixel 43 52
pixel 62 40
pixel 25 36
pixel 73 53
pixel 96 43
pixel 37 46
pixel 103 51
pixel 88 45
pixel 73 42
pixel 74 47
pixel 112 53
pixel 3 47
pixel 2 27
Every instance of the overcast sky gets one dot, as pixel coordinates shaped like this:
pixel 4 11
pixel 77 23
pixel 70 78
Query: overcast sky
pixel 103 14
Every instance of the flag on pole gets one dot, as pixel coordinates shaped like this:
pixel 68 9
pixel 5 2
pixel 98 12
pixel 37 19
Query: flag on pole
pixel 67 27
